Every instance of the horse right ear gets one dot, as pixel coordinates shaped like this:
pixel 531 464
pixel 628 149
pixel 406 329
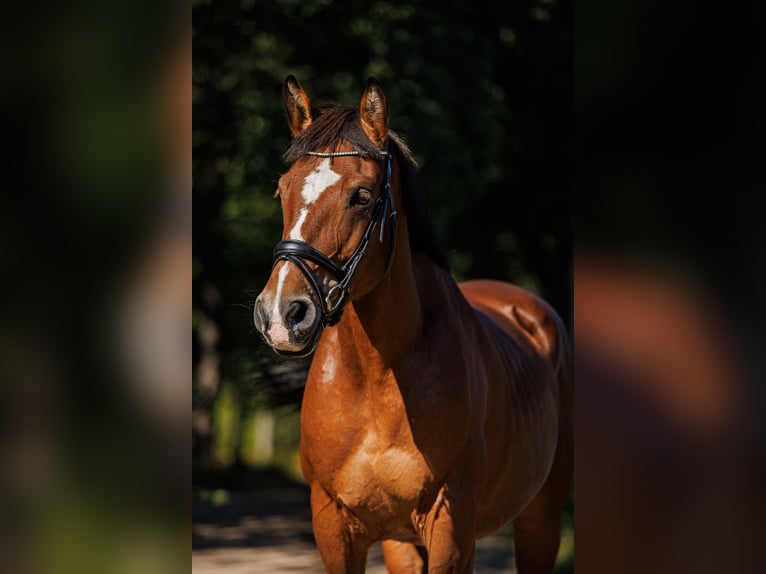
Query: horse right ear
pixel 297 106
pixel 373 113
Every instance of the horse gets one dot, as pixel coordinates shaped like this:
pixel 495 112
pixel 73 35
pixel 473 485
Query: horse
pixel 434 412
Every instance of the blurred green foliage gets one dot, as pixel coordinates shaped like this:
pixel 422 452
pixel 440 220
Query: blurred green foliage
pixel 480 91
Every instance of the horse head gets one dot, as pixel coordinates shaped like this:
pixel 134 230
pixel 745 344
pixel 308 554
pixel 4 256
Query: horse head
pixel 338 208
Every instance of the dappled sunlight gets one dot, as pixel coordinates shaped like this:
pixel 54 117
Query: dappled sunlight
pixel 94 357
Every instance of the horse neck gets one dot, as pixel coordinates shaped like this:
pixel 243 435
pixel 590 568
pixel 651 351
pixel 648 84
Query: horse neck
pixel 379 328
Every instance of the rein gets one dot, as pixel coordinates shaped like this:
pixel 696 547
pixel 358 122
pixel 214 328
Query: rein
pixel 299 252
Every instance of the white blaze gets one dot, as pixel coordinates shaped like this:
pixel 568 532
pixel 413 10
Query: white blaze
pixel 316 183
pixel 295 232
pixel 277 331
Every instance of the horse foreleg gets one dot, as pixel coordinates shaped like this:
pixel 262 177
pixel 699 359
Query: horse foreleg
pixel 404 558
pixel 341 538
pixel 449 532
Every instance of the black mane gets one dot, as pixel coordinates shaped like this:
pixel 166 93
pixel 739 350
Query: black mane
pixel 333 125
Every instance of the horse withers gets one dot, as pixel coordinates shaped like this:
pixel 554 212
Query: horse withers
pixel 433 413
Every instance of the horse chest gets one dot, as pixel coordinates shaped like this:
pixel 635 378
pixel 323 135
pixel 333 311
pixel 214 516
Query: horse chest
pixel 379 479
pixel 361 448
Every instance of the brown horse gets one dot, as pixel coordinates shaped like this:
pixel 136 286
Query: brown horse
pixel 434 413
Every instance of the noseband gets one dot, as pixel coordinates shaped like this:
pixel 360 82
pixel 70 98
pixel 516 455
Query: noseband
pixel 299 252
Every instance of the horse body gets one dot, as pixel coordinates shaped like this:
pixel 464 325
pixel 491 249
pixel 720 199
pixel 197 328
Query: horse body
pixel 433 413
pixel 475 421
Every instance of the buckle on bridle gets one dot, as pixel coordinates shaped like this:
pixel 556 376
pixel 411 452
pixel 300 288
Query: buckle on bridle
pixel 335 299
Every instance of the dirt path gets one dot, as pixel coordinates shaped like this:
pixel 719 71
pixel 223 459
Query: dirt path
pixel 269 531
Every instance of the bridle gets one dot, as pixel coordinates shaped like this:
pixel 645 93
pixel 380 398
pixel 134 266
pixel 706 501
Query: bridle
pixel 299 252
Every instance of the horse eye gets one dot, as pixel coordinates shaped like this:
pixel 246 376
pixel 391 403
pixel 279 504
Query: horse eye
pixel 361 197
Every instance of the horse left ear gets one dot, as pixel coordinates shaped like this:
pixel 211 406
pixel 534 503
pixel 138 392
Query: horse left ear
pixel 297 105
pixel 373 112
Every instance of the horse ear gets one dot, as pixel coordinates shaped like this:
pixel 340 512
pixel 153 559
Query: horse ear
pixel 373 112
pixel 297 105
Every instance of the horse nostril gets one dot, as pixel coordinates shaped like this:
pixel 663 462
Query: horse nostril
pixel 261 318
pixel 296 313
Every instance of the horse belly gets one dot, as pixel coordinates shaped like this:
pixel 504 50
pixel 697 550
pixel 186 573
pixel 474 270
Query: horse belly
pixel 519 465
pixel 512 490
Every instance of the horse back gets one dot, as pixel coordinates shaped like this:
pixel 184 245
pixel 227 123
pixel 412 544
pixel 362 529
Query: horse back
pixel 516 310
pixel 521 314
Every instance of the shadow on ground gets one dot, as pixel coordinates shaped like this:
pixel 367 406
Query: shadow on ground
pixel 259 522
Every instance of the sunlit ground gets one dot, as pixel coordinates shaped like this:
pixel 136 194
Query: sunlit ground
pixel 265 513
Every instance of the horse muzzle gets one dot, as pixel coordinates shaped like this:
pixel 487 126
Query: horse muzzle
pixel 291 326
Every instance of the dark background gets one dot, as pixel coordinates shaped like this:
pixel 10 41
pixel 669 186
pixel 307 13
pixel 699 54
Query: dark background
pixel 482 92
pixel 666 157
pixel 653 112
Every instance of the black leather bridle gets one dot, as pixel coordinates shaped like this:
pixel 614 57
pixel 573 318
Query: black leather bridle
pixel 299 253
